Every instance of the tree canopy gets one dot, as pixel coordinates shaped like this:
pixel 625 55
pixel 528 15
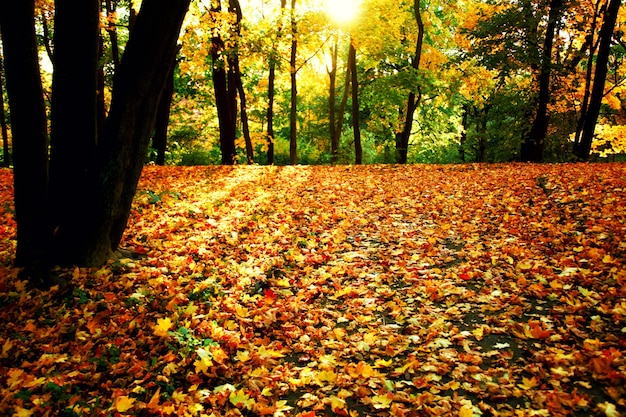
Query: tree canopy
pixel 488 80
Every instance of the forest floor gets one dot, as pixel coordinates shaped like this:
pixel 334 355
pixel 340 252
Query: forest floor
pixel 467 290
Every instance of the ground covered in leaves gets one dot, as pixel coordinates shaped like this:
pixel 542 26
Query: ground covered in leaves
pixel 472 290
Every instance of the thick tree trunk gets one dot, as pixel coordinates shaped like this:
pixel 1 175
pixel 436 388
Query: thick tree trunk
pixel 358 149
pixel 583 148
pixel 29 128
pixel 533 143
pixel 138 86
pixel 74 128
pixel 293 113
pixel 402 137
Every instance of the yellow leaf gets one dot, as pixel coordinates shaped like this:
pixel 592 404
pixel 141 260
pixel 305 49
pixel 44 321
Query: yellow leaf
pixel 382 363
pixel 8 344
pixel 337 404
pixel 240 399
pixel 162 327
pixel 124 403
pixel 528 383
pixel 202 365
pixel 22 412
pixel 327 376
pixel 466 411
pixel 381 401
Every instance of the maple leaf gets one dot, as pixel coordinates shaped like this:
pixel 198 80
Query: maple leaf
pixel 163 326
pixel 528 383
pixel 124 403
pixel 382 401
pixel 239 398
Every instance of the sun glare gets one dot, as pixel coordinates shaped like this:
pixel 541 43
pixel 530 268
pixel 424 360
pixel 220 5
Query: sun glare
pixel 342 11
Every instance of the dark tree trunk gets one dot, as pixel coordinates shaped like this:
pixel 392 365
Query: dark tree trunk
pixel 226 108
pixel 159 141
pixel 112 171
pixel 332 91
pixel 293 114
pixel 111 7
pixel 583 148
pixel 6 154
pixel 358 149
pixel 590 46
pixel 235 8
pixel 137 90
pixel 402 137
pixel 271 88
pixel 338 114
pixel 29 128
pixel 74 129
pixel 270 112
pixel 533 143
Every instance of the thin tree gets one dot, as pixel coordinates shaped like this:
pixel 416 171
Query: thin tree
pixel 413 101
pixel 336 115
pixel 271 81
pixel 358 149
pixel 533 144
pixel 225 97
pixel 582 148
pixel 293 72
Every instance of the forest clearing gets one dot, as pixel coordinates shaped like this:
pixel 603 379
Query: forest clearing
pixel 380 290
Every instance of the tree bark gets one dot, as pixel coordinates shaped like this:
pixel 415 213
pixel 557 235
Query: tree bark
pixel 358 149
pixel 533 144
pixel 29 129
pixel 583 148
pixel 293 113
pixel 402 137
pixel 271 88
pixel 74 128
pixel 226 106
pixel 235 8
pixel 45 236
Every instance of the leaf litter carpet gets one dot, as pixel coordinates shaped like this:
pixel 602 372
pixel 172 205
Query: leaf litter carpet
pixel 471 290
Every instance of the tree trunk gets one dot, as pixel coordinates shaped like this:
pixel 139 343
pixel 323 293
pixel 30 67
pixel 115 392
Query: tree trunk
pixel 271 87
pixel 74 129
pixel 113 170
pixel 293 114
pixel 29 130
pixel 338 114
pixel 583 148
pixel 332 91
pixel 111 7
pixel 159 141
pixel 137 89
pixel 235 8
pixel 402 137
pixel 226 109
pixel 6 154
pixel 533 143
pixel 358 149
